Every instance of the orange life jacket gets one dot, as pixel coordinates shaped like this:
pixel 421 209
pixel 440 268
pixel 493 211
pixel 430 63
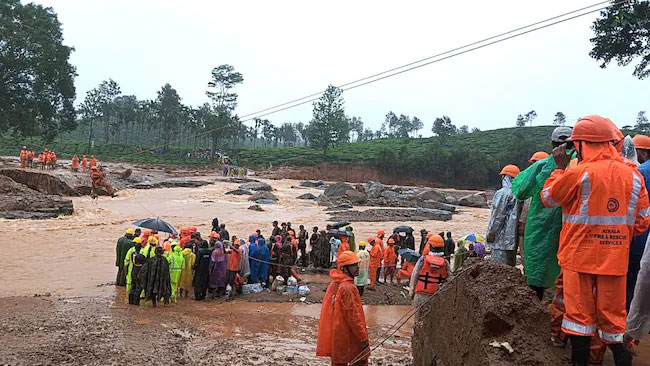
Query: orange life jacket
pixel 431 274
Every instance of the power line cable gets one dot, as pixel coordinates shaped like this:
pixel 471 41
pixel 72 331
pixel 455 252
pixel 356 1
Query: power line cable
pixel 429 58
pixel 449 54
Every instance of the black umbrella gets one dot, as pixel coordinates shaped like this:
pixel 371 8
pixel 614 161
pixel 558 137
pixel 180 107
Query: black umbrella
pixel 340 224
pixel 339 233
pixel 403 229
pixel 156 224
pixel 409 255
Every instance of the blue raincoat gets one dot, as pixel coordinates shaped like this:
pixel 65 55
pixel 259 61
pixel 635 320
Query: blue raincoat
pixel 252 249
pixel 262 269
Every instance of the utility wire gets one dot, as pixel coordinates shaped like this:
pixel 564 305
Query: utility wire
pixel 428 58
pixel 392 72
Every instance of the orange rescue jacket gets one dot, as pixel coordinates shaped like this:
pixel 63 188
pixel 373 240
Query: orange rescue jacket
pixel 604 203
pixel 431 274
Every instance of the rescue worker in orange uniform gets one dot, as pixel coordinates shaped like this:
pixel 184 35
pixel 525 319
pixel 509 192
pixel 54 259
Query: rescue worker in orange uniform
pixel 405 272
pixel 84 164
pixel 376 255
pixel 342 333
pixel 30 158
pixel 390 260
pixel 23 157
pixel 540 155
pixel 41 160
pixel 93 161
pixel 51 160
pixel 429 272
pixel 99 180
pixel 604 204
pixel 434 241
pixel 345 245
pixel 75 163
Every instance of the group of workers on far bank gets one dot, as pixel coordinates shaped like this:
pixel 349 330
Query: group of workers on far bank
pixel 580 220
pixel 47 160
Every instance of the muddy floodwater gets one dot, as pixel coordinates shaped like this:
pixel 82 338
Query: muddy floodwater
pixel 60 307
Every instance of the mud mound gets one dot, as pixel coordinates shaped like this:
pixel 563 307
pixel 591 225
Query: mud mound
pixel 42 182
pixel 488 302
pixel 18 201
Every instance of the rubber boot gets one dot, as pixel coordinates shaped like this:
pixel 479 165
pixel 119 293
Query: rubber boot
pixel 580 350
pixel 622 357
pixel 131 300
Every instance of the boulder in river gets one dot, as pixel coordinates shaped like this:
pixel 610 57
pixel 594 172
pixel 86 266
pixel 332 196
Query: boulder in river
pixel 431 194
pixel 389 195
pixel 256 208
pixel 374 189
pixel 433 214
pixel 263 195
pixel 478 199
pixel 355 196
pixel 306 196
pixel 323 200
pixel 337 190
pixel 256 186
pixel 309 184
pixel 239 192
pixel 437 205
pixel 265 201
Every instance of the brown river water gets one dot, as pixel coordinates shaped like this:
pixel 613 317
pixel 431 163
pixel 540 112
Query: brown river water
pixel 74 257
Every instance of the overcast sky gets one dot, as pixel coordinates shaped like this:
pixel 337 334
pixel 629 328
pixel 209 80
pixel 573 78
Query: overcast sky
pixel 289 49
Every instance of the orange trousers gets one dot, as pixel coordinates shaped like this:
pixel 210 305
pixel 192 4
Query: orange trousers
pixel 594 302
pixel 597 349
pixel 373 277
pixel 403 274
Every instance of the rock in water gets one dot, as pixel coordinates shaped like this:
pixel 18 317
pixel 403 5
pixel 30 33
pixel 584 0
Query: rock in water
pixel 18 201
pixel 374 189
pixel 265 201
pixel 337 190
pixel 256 208
pixel 312 184
pixel 433 214
pixel 431 194
pixel 322 200
pixel 389 195
pixel 486 302
pixel 355 196
pixel 263 195
pixel 256 186
pixel 239 192
pixel 478 199
pixel 451 200
pixel 306 196
pixel 437 205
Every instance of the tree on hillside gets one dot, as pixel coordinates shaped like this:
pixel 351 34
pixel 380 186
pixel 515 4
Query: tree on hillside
pixel 560 119
pixel 443 127
pixel 302 132
pixel 99 106
pixel 530 116
pixel 367 135
pixel 521 121
pixel 464 129
pixel 169 112
pixel 642 124
pixel 416 125
pixel 287 133
pixel 329 124
pixel 224 100
pixel 36 80
pixel 623 33
pixel 356 126
pixel 476 129
pixel 127 111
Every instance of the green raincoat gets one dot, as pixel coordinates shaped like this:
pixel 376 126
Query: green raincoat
pixel 542 235
pixel 176 265
pixel 128 267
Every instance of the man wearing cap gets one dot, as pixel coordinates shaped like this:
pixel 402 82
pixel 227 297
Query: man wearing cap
pixel 342 333
pixel 604 204
pixel 124 243
pixel 542 234
pixel 502 229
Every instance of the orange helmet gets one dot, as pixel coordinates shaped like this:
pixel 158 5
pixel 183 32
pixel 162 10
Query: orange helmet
pixel 429 235
pixel 595 129
pixel 436 241
pixel 641 142
pixel 347 258
pixel 192 229
pixel 540 155
pixel 391 241
pixel 369 239
pixel 511 170
pixel 381 232
pixel 215 235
